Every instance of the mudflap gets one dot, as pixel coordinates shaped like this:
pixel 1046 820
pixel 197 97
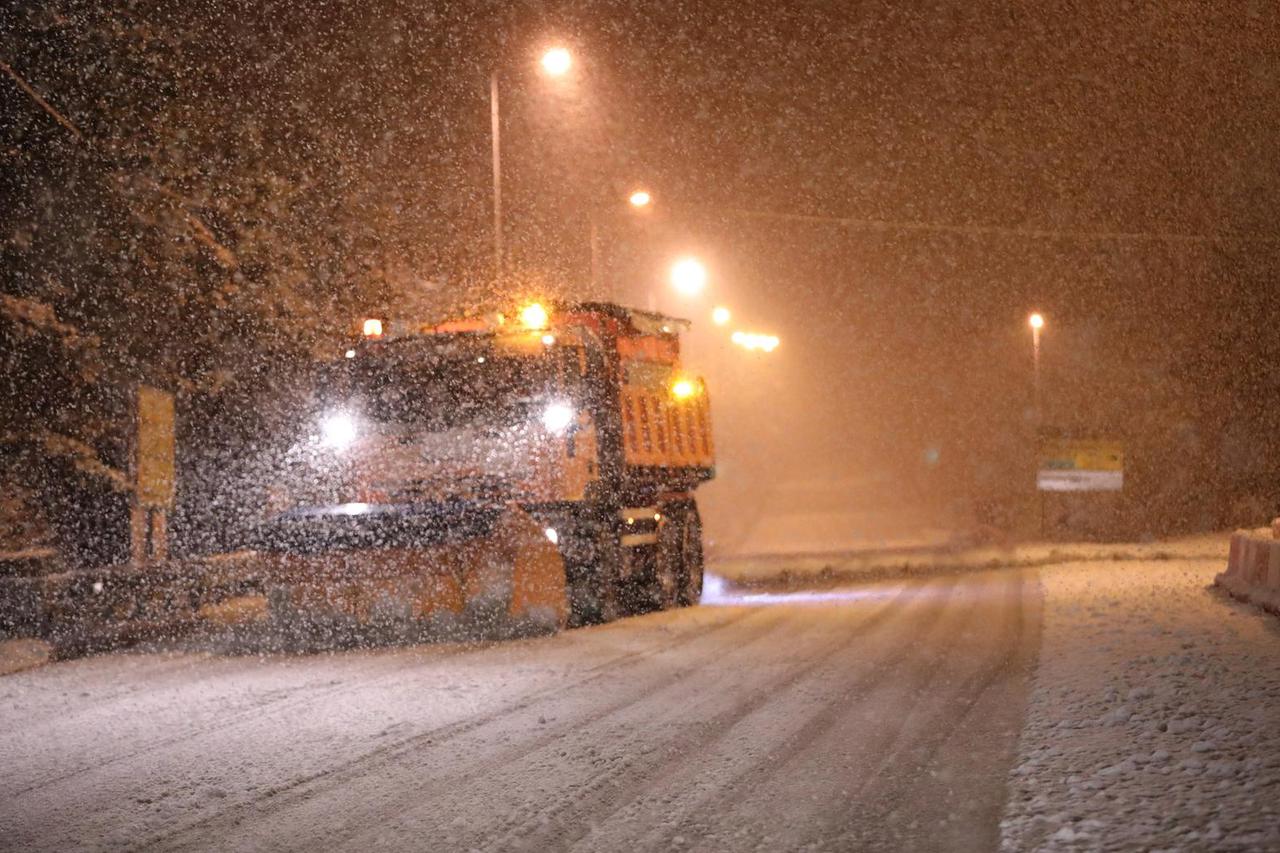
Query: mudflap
pixel 506 583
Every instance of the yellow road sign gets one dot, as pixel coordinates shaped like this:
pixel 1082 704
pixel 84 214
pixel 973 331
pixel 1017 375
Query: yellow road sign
pixel 1080 465
pixel 155 447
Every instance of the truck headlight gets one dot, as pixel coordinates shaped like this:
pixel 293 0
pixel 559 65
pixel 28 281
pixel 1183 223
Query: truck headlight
pixel 338 430
pixel 557 417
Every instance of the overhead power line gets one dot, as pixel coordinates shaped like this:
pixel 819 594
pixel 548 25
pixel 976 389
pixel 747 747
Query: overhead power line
pixel 1002 230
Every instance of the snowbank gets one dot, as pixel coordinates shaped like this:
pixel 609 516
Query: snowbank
pixel 802 570
pixel 1154 722
pixel 20 654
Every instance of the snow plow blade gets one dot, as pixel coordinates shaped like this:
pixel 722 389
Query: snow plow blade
pixel 459 571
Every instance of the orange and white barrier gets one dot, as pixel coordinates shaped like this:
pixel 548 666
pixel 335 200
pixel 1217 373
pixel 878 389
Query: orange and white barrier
pixel 1253 567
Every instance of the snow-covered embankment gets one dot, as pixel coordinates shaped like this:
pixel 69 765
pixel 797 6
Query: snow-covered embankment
pixel 1154 722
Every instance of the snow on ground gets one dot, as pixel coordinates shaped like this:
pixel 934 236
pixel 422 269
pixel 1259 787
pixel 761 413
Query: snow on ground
pixel 927 556
pixel 1154 722
pixel 22 653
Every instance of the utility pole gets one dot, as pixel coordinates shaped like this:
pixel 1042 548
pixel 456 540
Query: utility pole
pixel 497 175
pixel 1036 322
pixel 595 256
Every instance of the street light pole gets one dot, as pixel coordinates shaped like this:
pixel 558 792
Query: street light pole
pixel 639 201
pixel 595 255
pixel 497 175
pixel 1036 322
pixel 1035 358
pixel 555 62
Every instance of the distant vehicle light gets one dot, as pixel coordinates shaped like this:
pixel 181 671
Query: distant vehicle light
pixel 351 353
pixel 683 389
pixel 553 536
pixel 372 328
pixel 534 316
pixel 338 430
pixel 720 315
pixel 640 198
pixel 556 417
pixel 754 341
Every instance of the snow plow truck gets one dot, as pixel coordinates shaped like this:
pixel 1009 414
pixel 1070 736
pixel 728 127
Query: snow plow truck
pixel 505 473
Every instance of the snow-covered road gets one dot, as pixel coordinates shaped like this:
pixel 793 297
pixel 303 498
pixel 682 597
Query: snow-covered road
pixel 881 718
pixel 1102 703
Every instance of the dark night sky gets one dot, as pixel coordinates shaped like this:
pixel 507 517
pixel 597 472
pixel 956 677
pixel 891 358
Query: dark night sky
pixel 1153 119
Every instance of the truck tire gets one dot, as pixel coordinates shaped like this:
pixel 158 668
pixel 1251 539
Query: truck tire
pixel 593 559
pixel 677 575
pixel 691 558
pixel 665 586
pixel 640 591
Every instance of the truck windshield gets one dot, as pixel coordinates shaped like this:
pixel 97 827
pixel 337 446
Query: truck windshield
pixel 440 393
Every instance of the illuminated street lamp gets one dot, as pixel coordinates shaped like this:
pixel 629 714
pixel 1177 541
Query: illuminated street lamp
pixel 640 198
pixel 688 276
pixel 720 315
pixel 555 63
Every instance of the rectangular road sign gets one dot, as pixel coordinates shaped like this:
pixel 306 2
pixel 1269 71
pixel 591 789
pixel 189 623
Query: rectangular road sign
pixel 1080 465
pixel 155 447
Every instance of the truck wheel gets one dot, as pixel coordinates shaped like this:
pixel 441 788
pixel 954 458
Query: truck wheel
pixel 593 558
pixel 640 591
pixel 667 583
pixel 690 584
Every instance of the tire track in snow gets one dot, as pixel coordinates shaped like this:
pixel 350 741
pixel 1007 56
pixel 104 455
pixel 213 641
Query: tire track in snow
pixel 939 722
pixel 391 667
pixel 299 789
pixel 591 799
pixel 756 774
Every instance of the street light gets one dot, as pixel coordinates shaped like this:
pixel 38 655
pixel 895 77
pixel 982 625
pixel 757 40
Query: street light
pixel 640 198
pixel 688 276
pixel 555 62
pixel 720 315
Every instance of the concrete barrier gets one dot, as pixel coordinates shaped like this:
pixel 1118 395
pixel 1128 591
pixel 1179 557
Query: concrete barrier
pixel 1253 567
